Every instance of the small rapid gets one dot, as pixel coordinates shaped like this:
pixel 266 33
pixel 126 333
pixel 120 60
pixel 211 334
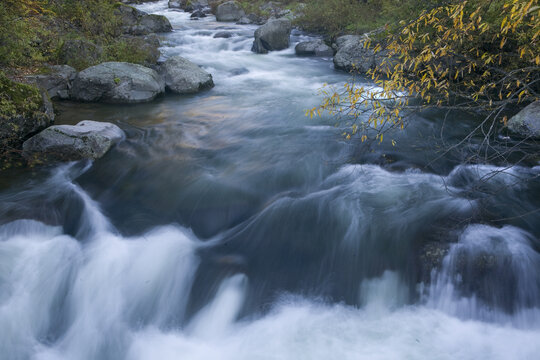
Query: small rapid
pixel 228 225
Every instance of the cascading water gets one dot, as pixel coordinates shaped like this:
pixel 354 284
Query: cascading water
pixel 230 226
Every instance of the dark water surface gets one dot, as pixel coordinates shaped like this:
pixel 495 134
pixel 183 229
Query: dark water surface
pixel 230 226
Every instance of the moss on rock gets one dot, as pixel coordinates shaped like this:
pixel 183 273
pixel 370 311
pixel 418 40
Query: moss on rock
pixel 24 111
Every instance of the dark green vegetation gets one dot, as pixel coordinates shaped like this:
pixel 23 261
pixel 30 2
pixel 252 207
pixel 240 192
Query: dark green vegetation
pixel 23 112
pixel 18 99
pixel 34 31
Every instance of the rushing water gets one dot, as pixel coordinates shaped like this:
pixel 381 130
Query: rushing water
pixel 230 226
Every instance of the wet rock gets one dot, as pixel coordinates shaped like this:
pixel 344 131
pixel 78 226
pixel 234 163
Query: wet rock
pixel 198 14
pixel 431 258
pixel 313 48
pixel 526 123
pixel 244 20
pixel 56 82
pixel 223 35
pixel 229 11
pixel 176 4
pixel 274 35
pixel 239 71
pixel 136 22
pixel 86 140
pixel 181 76
pixel 80 53
pixel 117 82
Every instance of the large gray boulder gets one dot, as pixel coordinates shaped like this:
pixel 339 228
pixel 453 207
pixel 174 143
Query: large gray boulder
pixel 352 55
pixel 117 82
pixel 86 140
pixel 181 76
pixel 229 11
pixel 274 35
pixel 56 82
pixel 137 22
pixel 313 48
pixel 527 122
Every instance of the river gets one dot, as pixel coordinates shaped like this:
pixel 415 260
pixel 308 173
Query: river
pixel 228 225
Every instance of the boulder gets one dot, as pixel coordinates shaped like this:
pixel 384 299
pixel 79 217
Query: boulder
pixel 313 48
pixel 255 19
pixel 117 82
pixel 199 4
pixel 244 20
pixel 340 41
pixel 80 53
pixel 86 140
pixel 527 122
pixel 56 82
pixel 176 4
pixel 24 111
pixel 136 22
pixel 229 11
pixel 274 35
pixel 198 14
pixel 181 76
pixel 188 5
pixel 223 34
pixel 352 55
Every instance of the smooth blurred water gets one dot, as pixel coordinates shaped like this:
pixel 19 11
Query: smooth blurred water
pixel 230 226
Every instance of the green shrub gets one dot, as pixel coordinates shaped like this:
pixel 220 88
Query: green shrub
pixel 18 99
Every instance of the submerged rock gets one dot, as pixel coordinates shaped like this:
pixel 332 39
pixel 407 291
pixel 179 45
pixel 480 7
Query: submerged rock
pixel 223 35
pixel 198 14
pixel 313 48
pixel 527 122
pixel 181 76
pixel 229 11
pixel 136 22
pixel 117 82
pixel 86 140
pixel 56 82
pixel 274 35
pixel 176 4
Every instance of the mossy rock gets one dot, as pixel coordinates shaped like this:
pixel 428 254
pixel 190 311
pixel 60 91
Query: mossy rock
pixel 80 53
pixel 24 111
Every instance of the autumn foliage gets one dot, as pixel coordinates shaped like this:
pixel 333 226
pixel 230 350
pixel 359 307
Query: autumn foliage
pixel 478 56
